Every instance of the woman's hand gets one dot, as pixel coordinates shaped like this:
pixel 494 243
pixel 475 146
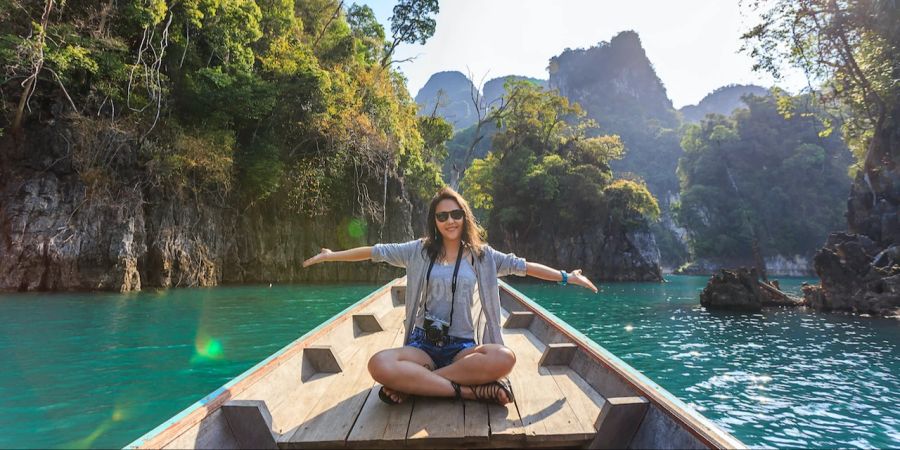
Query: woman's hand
pixel 578 279
pixel 318 258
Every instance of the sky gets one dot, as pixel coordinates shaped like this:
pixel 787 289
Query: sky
pixel 693 44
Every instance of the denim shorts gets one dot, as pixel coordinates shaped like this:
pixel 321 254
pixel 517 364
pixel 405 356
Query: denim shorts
pixel 442 356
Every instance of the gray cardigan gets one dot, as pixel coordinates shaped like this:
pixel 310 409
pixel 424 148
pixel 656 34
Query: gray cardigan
pixel 486 307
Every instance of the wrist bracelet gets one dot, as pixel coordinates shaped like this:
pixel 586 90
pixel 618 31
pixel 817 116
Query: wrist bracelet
pixel 565 278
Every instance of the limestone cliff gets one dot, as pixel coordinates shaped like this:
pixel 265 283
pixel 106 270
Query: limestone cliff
pixel 56 233
pixel 860 269
pixel 605 254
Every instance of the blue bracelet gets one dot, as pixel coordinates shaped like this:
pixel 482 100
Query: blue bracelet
pixel 565 278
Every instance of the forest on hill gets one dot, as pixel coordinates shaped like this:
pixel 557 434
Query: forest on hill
pixel 759 178
pixel 546 188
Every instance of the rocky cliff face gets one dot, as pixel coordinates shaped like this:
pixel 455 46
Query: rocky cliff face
pixel 617 86
pixel 860 269
pixel 58 234
pixel 54 238
pixel 610 255
pixel 857 276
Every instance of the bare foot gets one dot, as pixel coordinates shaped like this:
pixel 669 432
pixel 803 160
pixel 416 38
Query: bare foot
pixel 396 396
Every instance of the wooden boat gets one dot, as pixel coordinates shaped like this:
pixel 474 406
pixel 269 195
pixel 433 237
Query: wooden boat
pixel 317 392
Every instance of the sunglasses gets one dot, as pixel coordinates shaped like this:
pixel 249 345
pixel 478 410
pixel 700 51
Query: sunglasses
pixel 456 214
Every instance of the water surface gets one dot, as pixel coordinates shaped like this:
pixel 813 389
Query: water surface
pixel 100 370
pixel 779 378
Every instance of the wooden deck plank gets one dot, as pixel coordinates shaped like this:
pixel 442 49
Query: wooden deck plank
pixel 380 425
pixel 505 422
pixel 546 414
pixel 581 397
pixel 330 420
pixel 436 422
pixel 291 407
pixel 283 389
pixel 477 421
pixel 506 425
pixel 291 411
pixel 212 432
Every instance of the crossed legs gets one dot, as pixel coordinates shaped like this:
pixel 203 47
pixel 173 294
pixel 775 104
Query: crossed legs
pixel 409 370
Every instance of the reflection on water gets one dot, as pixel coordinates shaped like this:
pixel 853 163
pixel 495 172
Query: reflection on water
pixel 785 378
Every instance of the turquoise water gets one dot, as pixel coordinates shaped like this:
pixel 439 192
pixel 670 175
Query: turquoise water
pixel 780 378
pixel 99 370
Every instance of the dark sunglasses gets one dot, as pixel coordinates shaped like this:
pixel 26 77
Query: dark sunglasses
pixel 456 214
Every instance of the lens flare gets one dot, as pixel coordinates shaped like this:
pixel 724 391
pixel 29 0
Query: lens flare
pixel 120 412
pixel 356 228
pixel 207 349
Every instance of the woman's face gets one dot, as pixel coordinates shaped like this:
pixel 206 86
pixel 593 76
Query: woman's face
pixel 450 229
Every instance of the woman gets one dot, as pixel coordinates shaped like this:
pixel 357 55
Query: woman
pixel 453 346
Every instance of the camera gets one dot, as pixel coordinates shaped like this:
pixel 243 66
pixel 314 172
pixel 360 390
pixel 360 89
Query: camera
pixel 436 330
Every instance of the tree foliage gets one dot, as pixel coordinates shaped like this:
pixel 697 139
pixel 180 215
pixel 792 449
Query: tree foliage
pixel 411 22
pixel 545 176
pixel 851 48
pixel 758 173
pixel 262 99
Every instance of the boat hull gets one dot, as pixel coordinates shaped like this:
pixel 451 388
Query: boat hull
pixel 316 392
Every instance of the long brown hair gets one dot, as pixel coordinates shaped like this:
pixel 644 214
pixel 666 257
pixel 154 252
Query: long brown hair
pixel 471 232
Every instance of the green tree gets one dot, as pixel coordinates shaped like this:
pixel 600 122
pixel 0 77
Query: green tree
pixel 759 176
pixel 545 176
pixel 850 47
pixel 250 101
pixel 411 22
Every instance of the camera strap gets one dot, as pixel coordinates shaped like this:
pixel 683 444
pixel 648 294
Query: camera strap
pixel 452 283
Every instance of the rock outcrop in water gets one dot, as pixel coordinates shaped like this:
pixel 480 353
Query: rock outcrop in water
pixel 860 269
pixel 857 276
pixel 741 290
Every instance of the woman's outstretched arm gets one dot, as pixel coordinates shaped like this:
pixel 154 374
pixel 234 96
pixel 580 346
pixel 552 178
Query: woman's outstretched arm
pixel 354 254
pixel 548 273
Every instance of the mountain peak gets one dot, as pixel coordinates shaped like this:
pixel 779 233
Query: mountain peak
pixel 449 95
pixel 617 72
pixel 723 100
